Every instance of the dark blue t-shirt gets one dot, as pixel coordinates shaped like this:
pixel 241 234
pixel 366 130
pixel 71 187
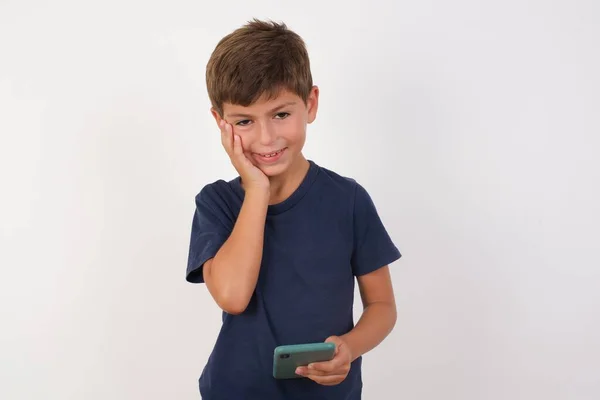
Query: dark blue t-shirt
pixel 315 243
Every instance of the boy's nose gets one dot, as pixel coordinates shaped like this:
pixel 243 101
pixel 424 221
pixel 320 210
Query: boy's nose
pixel 266 135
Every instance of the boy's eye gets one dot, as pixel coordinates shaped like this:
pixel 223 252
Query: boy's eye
pixel 246 122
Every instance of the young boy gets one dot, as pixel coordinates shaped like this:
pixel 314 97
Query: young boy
pixel 279 247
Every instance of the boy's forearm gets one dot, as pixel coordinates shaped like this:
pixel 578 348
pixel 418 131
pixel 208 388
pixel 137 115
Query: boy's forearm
pixel 235 267
pixel 374 325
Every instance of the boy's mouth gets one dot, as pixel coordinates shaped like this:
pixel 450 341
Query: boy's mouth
pixel 269 158
pixel 269 155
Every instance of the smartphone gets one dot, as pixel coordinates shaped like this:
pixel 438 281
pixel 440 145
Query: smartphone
pixel 289 357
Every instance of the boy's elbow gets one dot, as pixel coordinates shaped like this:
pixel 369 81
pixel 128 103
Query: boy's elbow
pixel 393 316
pixel 233 309
pixel 228 297
pixel 233 304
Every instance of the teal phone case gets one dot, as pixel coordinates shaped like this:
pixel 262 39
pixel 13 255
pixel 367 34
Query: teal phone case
pixel 289 357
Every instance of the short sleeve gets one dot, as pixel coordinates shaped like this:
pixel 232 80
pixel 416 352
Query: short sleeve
pixel 373 246
pixel 211 226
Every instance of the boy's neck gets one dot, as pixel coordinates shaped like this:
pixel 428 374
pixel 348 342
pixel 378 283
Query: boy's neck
pixel 284 185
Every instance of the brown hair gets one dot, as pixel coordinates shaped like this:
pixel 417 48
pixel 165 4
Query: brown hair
pixel 260 58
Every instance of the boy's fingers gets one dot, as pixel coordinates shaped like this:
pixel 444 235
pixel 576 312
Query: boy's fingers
pixel 237 146
pixel 335 364
pixel 318 369
pixel 337 342
pixel 234 148
pixel 327 380
pixel 324 366
pixel 226 138
pixel 311 372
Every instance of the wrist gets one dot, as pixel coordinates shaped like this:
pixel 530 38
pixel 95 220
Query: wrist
pixel 257 192
pixel 350 345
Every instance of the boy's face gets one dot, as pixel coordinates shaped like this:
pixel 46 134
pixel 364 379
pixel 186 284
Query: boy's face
pixel 273 131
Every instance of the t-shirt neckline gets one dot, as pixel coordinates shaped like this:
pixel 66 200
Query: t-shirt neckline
pixel 294 198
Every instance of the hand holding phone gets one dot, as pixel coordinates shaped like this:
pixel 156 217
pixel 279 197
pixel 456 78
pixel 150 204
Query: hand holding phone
pixel 287 358
pixel 330 372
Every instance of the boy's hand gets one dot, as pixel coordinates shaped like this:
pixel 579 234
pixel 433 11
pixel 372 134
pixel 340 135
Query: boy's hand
pixel 330 372
pixel 252 176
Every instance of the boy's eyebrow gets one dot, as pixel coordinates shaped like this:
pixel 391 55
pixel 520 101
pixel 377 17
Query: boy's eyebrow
pixel 279 107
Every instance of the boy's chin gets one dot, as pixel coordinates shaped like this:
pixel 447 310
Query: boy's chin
pixel 272 171
pixel 275 170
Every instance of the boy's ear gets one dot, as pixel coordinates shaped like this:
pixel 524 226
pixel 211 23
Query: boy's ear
pixel 312 103
pixel 216 115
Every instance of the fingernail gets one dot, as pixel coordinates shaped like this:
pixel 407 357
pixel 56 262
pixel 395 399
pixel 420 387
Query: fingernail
pixel 311 366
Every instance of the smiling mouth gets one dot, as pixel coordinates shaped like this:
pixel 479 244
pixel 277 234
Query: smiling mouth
pixel 269 155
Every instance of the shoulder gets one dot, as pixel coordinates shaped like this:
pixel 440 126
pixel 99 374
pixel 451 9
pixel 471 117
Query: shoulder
pixel 219 194
pixel 336 180
pixel 213 190
pixel 338 184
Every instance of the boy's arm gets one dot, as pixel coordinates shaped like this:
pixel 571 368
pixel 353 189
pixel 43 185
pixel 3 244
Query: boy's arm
pixel 372 247
pixel 232 274
pixel 379 315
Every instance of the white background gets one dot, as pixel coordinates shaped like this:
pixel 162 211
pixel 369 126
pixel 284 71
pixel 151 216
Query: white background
pixel 474 125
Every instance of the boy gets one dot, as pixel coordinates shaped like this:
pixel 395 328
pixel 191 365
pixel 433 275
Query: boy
pixel 279 246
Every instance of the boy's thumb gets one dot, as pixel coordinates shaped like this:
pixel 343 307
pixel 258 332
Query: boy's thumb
pixel 334 340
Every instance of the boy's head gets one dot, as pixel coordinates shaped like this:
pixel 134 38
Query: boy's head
pixel 259 80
